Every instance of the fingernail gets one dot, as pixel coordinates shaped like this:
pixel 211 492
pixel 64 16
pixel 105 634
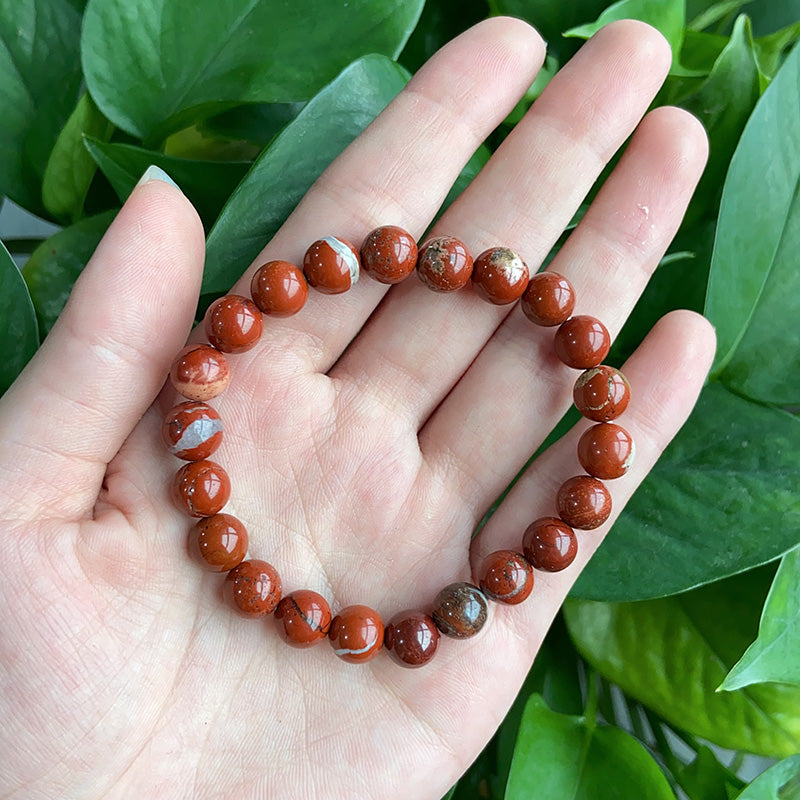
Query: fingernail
pixel 154 173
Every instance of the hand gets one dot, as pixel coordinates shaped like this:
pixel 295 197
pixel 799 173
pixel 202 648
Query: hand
pixel 361 466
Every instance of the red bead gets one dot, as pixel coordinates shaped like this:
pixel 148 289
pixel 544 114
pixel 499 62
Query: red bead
pixel 253 588
pixel 303 618
pixel 460 610
pixel 506 577
pixel 584 502
pixel 219 542
pixel 582 342
pixel 200 372
pixel 356 634
pixel 444 264
pixel 279 288
pixel 601 393
pixel 550 544
pixel 331 265
pixel 389 254
pixel 499 276
pixel 233 324
pixel 192 431
pixel 201 488
pixel 548 300
pixel 606 450
pixel 411 638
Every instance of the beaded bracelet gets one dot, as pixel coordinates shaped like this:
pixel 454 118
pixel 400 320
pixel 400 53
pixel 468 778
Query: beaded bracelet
pixel 192 431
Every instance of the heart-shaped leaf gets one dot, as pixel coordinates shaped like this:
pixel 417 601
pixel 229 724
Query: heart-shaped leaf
pixel 780 782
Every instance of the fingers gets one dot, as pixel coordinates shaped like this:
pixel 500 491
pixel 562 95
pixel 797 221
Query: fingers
pixel 107 356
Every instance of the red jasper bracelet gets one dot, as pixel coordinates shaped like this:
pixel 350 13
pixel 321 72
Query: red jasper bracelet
pixel 192 431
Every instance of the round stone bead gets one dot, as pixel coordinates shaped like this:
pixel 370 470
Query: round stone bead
pixel 356 634
pixel 219 542
pixel 389 254
pixel 331 265
pixel 233 324
pixel 460 610
pixel 411 638
pixel 606 450
pixel 201 488
pixel 582 342
pixel 550 544
pixel 499 276
pixel 192 430
pixel 506 577
pixel 583 502
pixel 601 393
pixel 548 300
pixel 303 618
pixel 279 288
pixel 253 588
pixel 200 372
pixel 444 264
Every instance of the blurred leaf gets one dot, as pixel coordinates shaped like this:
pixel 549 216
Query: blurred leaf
pixel 451 793
pixel 716 12
pixel 258 123
pixel 770 50
pixel 779 782
pixel 705 777
pixel 769 15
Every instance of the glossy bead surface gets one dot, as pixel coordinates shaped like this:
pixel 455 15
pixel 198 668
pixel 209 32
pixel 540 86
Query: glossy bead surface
pixel 499 276
pixel 253 588
pixel 219 542
pixel 279 288
pixel 582 342
pixel 606 450
pixel 389 254
pixel 506 577
pixel 303 618
pixel 356 634
pixel 460 610
pixel 444 264
pixel 233 324
pixel 601 393
pixel 201 488
pixel 550 544
pixel 548 300
pixel 583 502
pixel 200 372
pixel 331 265
pixel 411 638
pixel 192 430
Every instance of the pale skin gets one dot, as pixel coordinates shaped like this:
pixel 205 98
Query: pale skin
pixel 365 439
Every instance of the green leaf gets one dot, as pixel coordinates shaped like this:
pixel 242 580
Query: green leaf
pixel 770 50
pixel 153 68
pixel 705 777
pixel 714 13
pixel 258 123
pixel 560 756
pixel 39 80
pixel 721 499
pixel 20 331
pixel 286 169
pixel 779 782
pixel 770 16
pixel 775 654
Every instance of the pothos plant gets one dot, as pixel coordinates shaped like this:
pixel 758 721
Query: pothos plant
pixel 683 635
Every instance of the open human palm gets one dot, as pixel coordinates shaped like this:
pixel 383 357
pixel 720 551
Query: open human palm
pixel 365 439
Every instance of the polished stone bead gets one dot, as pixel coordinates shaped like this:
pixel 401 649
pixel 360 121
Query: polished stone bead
pixel 411 638
pixel 583 502
pixel 460 610
pixel 550 544
pixel 303 618
pixel 201 488
pixel 601 393
pixel 331 265
pixel 200 372
pixel 582 342
pixel 548 300
pixel 389 254
pixel 606 450
pixel 356 634
pixel 192 430
pixel 499 276
pixel 253 588
pixel 233 324
pixel 506 577
pixel 444 264
pixel 219 542
pixel 279 288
